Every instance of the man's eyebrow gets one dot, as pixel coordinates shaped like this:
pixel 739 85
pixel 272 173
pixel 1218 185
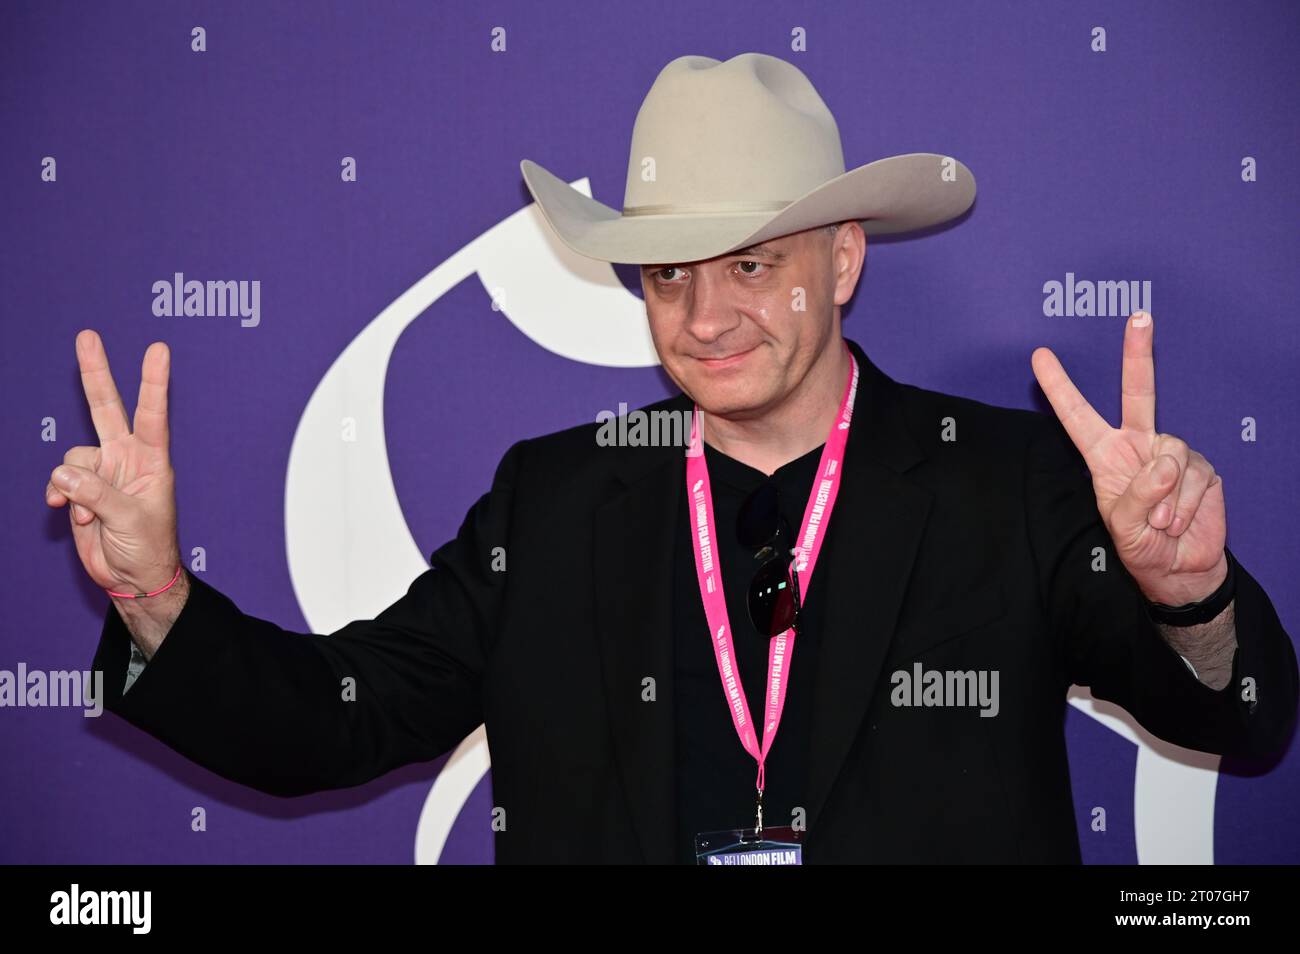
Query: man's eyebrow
pixel 762 248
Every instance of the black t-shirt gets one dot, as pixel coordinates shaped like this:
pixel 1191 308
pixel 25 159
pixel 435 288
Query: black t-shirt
pixel 715 775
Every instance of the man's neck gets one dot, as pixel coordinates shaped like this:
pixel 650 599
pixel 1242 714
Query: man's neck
pixel 792 428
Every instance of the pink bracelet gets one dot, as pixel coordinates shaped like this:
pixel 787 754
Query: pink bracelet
pixel 135 596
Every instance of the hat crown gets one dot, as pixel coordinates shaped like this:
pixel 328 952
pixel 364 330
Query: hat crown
pixel 748 134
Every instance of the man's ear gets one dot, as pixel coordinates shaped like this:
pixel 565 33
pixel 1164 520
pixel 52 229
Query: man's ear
pixel 848 240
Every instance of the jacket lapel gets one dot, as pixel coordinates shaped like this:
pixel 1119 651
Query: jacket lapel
pixel 870 548
pixel 633 572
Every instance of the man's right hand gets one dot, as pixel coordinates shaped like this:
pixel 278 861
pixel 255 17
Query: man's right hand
pixel 122 493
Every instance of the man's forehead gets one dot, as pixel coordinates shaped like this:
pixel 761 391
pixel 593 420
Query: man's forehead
pixel 775 249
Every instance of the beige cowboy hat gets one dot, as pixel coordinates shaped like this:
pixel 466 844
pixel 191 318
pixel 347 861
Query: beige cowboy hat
pixel 729 154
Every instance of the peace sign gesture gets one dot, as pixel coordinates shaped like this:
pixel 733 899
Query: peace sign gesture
pixel 122 493
pixel 1161 501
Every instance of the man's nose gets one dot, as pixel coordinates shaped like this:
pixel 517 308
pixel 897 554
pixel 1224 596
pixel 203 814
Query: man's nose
pixel 711 313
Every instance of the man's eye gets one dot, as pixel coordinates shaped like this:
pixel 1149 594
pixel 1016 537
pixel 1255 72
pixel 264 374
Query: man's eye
pixel 757 266
pixel 662 273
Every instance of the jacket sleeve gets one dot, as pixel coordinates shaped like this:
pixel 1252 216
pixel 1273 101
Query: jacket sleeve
pixel 1109 642
pixel 267 708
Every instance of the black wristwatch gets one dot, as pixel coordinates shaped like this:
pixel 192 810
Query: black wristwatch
pixel 1202 611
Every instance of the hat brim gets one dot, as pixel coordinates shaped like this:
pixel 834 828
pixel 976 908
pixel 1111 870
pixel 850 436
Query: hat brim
pixel 894 194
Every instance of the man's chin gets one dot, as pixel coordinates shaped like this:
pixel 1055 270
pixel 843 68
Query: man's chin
pixel 737 400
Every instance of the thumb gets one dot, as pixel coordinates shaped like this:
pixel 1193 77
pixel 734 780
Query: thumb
pixel 96 495
pixel 1148 487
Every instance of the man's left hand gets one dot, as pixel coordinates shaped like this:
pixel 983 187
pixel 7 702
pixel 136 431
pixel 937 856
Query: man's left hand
pixel 1161 501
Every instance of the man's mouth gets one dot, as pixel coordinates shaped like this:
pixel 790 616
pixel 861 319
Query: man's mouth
pixel 726 361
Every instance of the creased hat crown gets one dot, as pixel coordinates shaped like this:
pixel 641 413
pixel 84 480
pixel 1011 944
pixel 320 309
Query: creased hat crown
pixel 751 134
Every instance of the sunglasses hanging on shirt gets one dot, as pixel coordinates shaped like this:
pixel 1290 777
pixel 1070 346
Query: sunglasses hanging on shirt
pixel 773 597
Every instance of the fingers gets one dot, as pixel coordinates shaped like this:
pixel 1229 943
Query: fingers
pixel 83 486
pixel 1138 381
pixel 1149 487
pixel 151 408
pixel 106 408
pixel 1198 477
pixel 1166 493
pixel 1084 425
pixel 53 496
pixel 1162 514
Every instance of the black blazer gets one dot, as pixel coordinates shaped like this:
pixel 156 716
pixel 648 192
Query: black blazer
pixel 973 554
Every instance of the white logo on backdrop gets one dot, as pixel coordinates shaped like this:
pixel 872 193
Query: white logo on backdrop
pixel 353 566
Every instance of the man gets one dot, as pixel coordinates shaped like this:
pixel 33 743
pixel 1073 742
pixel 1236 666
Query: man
pixel 828 626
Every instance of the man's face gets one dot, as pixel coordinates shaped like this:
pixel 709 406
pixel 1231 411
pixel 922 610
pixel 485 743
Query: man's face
pixel 740 332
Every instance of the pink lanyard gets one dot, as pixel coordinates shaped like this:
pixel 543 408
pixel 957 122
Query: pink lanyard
pixel 816 518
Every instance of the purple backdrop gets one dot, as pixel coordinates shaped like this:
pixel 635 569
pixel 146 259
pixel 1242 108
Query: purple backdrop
pixel 1116 165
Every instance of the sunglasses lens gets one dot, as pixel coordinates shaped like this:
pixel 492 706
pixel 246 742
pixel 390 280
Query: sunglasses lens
pixel 759 517
pixel 771 598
